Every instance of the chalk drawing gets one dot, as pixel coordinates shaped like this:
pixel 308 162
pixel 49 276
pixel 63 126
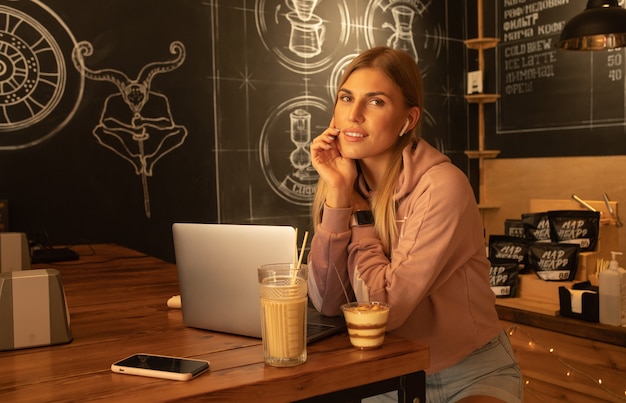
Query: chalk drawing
pixel 136 123
pixel 38 94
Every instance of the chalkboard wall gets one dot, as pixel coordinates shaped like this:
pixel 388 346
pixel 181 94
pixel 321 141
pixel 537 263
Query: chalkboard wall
pixel 74 164
pixel 121 117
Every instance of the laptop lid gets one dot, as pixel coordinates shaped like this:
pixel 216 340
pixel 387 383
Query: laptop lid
pixel 217 272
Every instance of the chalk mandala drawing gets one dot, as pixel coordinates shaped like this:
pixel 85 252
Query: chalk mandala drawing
pixel 38 93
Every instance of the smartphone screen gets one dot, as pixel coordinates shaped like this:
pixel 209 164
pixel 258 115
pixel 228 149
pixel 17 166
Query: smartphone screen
pixel 160 366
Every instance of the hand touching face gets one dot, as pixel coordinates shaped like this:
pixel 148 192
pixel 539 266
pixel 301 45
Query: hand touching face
pixel 327 159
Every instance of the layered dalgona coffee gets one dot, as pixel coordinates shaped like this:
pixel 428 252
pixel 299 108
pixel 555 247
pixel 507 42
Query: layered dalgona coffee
pixel 367 323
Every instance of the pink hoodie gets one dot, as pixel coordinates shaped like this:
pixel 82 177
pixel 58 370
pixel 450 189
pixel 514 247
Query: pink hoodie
pixel 437 280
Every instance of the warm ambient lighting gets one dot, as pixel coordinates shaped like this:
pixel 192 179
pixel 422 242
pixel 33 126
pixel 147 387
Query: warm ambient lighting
pixel 601 26
pixel 571 370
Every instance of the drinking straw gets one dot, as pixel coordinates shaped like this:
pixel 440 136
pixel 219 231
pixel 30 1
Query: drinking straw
pixel 297 266
pixel 295 250
pixel 306 235
pixel 343 287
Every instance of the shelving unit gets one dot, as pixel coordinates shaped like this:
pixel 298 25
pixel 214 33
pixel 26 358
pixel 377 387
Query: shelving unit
pixel 480 44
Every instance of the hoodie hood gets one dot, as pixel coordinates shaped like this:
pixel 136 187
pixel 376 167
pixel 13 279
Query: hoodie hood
pixel 416 162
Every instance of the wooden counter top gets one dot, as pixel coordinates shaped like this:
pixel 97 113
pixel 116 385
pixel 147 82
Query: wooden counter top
pixel 117 302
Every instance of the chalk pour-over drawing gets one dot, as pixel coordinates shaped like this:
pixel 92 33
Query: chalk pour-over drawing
pixel 136 123
pixel 398 23
pixel 34 78
pixel 307 29
pixel 295 32
pixel 402 28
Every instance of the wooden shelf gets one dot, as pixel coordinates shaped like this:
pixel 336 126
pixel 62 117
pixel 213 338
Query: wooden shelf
pixel 488 207
pixel 481 43
pixel 574 327
pixel 473 154
pixel 482 98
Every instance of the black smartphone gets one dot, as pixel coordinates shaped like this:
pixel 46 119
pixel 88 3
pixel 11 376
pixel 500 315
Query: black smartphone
pixel 160 366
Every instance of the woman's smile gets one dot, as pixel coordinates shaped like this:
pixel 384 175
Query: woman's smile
pixel 354 135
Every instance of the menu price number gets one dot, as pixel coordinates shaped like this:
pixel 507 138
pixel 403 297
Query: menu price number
pixel 614 62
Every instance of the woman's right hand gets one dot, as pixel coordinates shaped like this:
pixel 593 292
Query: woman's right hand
pixel 338 172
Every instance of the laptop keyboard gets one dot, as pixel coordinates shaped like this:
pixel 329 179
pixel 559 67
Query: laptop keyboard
pixel 318 331
pixel 315 328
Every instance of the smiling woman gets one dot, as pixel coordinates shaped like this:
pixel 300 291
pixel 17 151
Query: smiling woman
pixel 420 248
pixel 371 113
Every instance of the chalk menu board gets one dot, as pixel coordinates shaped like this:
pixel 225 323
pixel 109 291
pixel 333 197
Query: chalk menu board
pixel 570 102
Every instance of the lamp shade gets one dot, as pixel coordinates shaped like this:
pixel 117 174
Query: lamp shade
pixel 601 26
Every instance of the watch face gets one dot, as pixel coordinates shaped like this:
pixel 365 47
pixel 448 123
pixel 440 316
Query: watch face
pixel 364 217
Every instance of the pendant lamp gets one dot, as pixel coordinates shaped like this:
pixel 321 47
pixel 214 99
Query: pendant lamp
pixel 601 26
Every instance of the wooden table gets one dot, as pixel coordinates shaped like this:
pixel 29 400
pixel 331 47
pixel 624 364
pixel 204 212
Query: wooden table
pixel 117 302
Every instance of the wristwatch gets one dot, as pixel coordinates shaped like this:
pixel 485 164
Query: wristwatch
pixel 362 218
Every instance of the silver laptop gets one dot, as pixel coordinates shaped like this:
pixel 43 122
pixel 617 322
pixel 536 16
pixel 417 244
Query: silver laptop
pixel 217 274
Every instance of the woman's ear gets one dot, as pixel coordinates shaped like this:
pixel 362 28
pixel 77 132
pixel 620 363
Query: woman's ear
pixel 413 118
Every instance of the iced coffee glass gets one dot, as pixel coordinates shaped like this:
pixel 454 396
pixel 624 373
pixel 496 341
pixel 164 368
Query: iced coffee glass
pixel 367 323
pixel 283 292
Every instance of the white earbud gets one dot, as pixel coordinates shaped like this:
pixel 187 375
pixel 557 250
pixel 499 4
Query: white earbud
pixel 403 131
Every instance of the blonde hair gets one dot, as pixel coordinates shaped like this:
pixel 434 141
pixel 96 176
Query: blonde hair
pixel 403 71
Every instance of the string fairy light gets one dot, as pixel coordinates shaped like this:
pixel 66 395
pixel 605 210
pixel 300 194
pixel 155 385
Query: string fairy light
pixel 533 342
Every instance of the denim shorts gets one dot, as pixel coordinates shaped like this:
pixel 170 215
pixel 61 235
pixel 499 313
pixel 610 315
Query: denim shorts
pixel 491 370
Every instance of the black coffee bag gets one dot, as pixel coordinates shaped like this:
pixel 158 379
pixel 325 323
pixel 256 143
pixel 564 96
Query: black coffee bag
pixel 514 227
pixel 554 261
pixel 504 279
pixel 506 248
pixel 536 227
pixel 575 226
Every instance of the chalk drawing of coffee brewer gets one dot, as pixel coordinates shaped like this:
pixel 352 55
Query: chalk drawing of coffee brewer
pixel 284 148
pixel 402 28
pixel 136 123
pixel 307 29
pixel 300 134
pixel 411 29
